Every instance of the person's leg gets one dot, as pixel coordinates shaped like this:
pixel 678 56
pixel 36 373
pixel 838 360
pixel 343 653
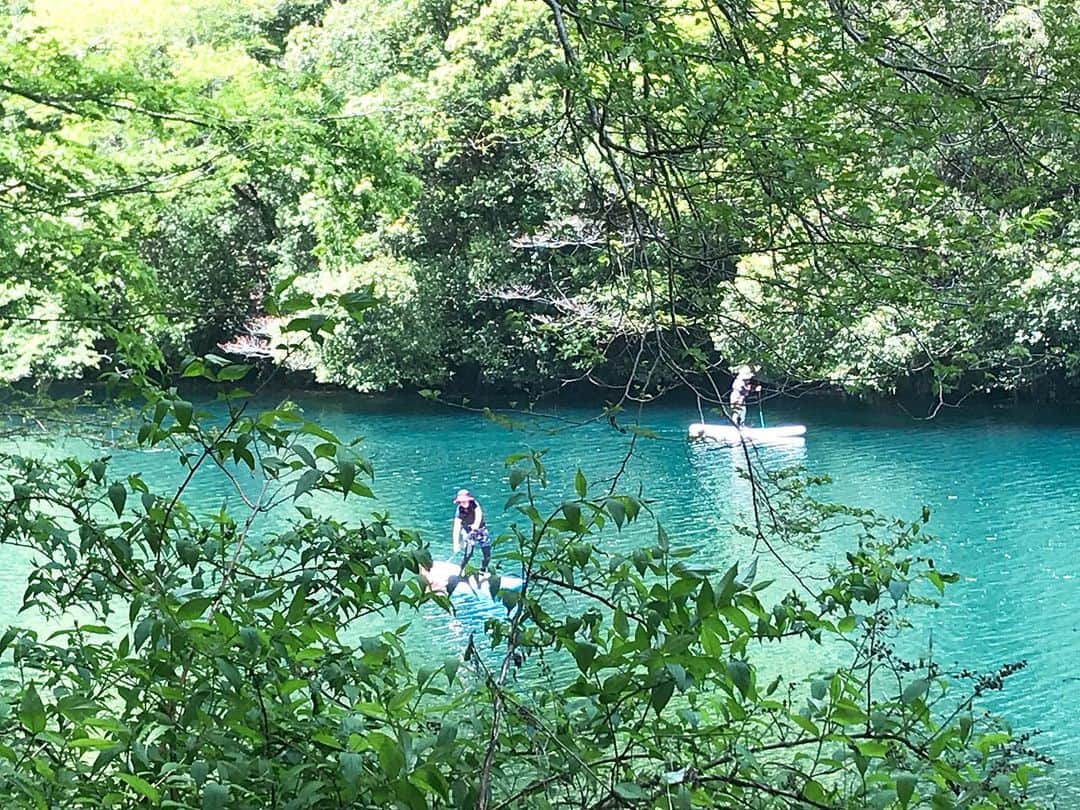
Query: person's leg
pixel 486 551
pixel 738 414
pixel 469 546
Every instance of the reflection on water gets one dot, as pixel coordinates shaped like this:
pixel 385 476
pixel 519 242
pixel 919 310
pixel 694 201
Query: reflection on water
pixel 1004 495
pixel 721 469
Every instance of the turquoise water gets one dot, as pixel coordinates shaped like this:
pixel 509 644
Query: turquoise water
pixel 1003 489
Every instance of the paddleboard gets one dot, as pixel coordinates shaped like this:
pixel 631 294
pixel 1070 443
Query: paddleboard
pixel 443 572
pixel 733 435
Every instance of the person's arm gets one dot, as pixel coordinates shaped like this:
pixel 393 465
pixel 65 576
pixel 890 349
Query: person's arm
pixel 478 519
pixel 456 533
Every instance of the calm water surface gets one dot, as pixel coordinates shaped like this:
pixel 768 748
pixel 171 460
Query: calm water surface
pixel 1004 490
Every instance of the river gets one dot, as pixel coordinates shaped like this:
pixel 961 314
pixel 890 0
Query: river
pixel 1003 488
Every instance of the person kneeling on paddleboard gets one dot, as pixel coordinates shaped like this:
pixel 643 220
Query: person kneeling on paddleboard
pixel 470 530
pixel 741 387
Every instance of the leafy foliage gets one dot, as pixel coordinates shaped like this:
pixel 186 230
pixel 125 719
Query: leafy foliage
pixel 873 195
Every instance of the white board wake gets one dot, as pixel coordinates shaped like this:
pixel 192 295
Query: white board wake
pixel 443 572
pixel 733 435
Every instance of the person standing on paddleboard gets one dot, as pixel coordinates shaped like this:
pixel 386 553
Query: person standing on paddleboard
pixel 469 529
pixel 742 386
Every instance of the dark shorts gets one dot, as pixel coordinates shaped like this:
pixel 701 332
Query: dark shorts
pixel 478 536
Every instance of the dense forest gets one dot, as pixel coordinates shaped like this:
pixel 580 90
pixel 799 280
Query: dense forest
pixel 632 195
pixel 508 196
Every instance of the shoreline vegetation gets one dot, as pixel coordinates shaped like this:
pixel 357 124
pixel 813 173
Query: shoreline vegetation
pixel 249 176
pixel 916 405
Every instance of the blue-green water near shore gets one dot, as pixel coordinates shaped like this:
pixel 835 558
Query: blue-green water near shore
pixel 1003 487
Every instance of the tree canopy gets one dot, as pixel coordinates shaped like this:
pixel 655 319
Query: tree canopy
pixel 872 195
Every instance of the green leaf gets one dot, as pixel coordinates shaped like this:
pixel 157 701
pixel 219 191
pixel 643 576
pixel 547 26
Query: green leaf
pixel 233 371
pixel 739 672
pixel 9 636
pixel 352 766
pixel 298 606
pixel 77 707
pixel 584 653
pixel 905 787
pixel 319 432
pixel 964 722
pixel 806 724
pixel 447 735
pixel 311 324
pixel 750 573
pixel 814 792
pixel 847 713
pixel 355 303
pixel 725 588
pixel 284 284
pixel 630 791
pixel 264 599
pixel 872 748
pixel 915 690
pixel 391 759
pixel 215 796
pixel 572 512
pixel 91 744
pixel 193 608
pixel 305 456
pixel 581 486
pixel 229 670
pixel 661 694
pixel 118 495
pixel 619 622
pixel 306 483
pixel 615 508
pixel 182 410
pixel 362 490
pixel 32 711
pixel 346 474
pixel 193 368
pixel 450 667
pixel 199 771
pixel 140 786
pixel 736 617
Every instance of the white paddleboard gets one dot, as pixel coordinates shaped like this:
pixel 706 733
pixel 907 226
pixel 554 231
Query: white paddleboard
pixel 442 572
pixel 733 435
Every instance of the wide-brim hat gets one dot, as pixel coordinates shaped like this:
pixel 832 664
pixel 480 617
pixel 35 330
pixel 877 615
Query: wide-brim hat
pixel 463 497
